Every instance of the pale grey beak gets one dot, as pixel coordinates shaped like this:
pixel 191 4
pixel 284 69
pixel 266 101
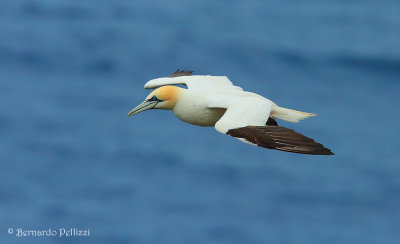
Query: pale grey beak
pixel 143 107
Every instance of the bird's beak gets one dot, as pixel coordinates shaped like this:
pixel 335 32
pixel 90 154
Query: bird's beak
pixel 143 107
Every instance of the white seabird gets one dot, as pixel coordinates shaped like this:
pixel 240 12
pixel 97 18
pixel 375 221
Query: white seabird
pixel 215 101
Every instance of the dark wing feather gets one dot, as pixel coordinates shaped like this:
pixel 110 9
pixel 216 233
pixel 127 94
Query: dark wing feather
pixel 272 122
pixel 280 138
pixel 179 72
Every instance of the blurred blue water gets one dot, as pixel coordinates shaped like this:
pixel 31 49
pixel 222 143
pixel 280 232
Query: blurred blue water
pixel 70 158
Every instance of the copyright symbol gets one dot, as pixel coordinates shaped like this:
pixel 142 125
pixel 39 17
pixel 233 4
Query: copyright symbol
pixel 10 231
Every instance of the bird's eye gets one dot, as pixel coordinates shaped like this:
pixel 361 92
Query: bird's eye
pixel 153 98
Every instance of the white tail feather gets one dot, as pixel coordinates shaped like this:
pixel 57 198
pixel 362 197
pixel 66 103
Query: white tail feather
pixel 289 115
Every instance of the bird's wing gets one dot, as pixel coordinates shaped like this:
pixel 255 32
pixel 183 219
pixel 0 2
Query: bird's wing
pixel 195 82
pixel 246 120
pixel 279 138
pixel 241 111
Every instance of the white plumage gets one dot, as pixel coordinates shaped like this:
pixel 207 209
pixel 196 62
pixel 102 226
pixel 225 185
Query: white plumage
pixel 215 101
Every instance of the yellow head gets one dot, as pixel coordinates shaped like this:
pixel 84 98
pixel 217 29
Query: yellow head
pixel 164 97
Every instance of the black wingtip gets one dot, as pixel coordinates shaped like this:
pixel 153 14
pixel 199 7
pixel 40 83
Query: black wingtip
pixel 280 138
pixel 183 72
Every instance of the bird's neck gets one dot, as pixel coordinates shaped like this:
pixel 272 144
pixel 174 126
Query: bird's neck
pixel 175 98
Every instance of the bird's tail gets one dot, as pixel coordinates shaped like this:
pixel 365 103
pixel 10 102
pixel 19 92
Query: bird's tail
pixel 289 114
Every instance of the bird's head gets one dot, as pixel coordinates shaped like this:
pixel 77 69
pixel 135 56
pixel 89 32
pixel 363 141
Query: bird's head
pixel 164 97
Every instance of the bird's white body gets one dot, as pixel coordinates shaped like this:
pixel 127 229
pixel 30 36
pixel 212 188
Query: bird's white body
pixel 208 98
pixel 215 101
pixel 192 107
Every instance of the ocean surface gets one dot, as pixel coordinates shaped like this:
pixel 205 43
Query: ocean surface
pixel 70 157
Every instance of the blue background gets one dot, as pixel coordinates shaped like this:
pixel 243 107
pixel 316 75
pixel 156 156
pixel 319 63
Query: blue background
pixel 71 158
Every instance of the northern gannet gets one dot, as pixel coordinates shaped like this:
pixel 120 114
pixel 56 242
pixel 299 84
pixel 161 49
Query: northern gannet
pixel 215 101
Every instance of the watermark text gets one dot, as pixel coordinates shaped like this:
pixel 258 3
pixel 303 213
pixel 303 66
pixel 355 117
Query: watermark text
pixel 60 232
